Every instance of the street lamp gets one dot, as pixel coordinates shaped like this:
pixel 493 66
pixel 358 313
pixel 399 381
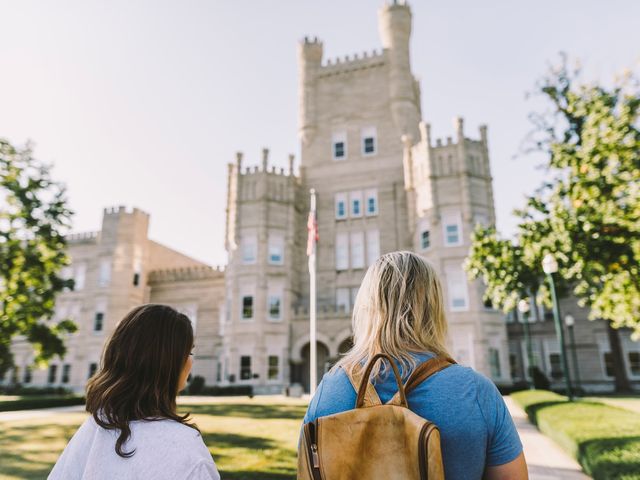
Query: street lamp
pixel 523 308
pixel 550 266
pixel 569 321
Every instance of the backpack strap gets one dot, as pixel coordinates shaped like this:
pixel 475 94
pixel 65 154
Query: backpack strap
pixel 420 374
pixel 367 395
pixel 371 397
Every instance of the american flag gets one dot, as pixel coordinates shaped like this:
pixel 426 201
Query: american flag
pixel 312 227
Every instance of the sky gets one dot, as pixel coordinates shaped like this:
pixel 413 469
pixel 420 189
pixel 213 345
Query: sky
pixel 143 103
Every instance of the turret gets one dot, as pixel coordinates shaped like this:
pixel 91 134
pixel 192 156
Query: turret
pixel 309 62
pixel 395 31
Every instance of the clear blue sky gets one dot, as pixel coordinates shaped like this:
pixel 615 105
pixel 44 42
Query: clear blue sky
pixel 143 103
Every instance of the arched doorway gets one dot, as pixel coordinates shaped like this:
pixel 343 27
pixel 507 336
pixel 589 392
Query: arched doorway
pixel 345 346
pixel 323 363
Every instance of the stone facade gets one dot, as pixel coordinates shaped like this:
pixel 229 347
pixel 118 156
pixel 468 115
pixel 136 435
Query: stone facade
pixel 382 184
pixel 114 270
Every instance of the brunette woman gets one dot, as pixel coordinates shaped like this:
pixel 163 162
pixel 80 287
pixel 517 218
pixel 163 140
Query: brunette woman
pixel 134 431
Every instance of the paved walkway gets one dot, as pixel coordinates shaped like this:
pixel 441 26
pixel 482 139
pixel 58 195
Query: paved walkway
pixel 43 412
pixel 546 460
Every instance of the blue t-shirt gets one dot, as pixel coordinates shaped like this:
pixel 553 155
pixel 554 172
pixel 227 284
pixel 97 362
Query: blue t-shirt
pixel 475 426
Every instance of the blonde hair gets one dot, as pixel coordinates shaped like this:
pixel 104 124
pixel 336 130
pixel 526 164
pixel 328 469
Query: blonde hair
pixel 399 310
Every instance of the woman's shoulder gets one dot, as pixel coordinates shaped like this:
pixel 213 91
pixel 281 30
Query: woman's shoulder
pixel 165 427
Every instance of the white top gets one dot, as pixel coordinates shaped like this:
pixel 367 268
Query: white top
pixel 165 449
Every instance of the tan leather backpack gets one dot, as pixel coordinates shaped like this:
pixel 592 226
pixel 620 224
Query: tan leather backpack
pixel 374 441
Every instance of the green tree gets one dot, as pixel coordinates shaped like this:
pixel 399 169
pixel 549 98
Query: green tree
pixel 501 265
pixel 33 220
pixel 588 215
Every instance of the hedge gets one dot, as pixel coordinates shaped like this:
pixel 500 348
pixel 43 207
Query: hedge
pixel 605 440
pixel 30 403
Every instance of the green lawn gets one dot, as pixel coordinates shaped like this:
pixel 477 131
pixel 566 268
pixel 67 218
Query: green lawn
pixel 626 402
pixel 248 438
pixel 604 439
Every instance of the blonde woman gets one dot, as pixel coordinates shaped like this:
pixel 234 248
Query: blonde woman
pixel 399 311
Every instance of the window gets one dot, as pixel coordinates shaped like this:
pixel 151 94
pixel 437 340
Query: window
pixel 137 269
pixel 79 276
pixel 371 199
pixel 555 365
pixel 369 141
pixel 276 248
pixel 457 288
pixel 634 363
pixel 342 251
pixel 494 362
pixel 245 367
pixel 354 294
pixel 341 206
pixel 66 370
pixel 51 378
pixel 608 364
pixel 425 240
pixel 514 366
pixel 339 145
pixel 357 249
pixel 104 273
pixel 247 307
pixel 98 322
pixel 356 203
pixel 93 367
pixel 274 307
pixel 27 375
pixel 373 246
pixel 342 300
pixel 249 249
pixel 274 368
pixel 452 229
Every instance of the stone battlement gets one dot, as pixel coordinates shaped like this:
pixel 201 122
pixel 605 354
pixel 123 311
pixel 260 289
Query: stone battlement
pixel 265 168
pixel 122 210
pixel 182 274
pixel 83 237
pixel 375 58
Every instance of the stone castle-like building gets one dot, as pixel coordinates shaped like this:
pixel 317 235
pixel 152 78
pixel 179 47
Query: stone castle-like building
pixel 382 184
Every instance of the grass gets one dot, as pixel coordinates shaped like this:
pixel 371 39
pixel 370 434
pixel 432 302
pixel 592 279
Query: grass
pixel 252 439
pixel 626 402
pixel 604 439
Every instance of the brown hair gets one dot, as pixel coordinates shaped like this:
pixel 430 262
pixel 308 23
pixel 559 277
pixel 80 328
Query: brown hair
pixel 140 370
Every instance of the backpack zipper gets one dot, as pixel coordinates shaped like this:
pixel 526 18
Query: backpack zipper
pixel 423 438
pixel 310 433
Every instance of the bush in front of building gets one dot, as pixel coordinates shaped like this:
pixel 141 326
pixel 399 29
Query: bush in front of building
pixel 197 387
pixel 31 403
pixel 605 440
pixel 18 389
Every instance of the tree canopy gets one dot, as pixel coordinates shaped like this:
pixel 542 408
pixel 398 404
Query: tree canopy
pixel 33 220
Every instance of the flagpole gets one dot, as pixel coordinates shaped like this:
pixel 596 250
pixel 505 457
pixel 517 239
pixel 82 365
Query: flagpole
pixel 313 360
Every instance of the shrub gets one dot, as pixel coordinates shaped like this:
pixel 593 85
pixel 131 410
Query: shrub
pixel 196 386
pixel 218 391
pixel 604 439
pixel 40 402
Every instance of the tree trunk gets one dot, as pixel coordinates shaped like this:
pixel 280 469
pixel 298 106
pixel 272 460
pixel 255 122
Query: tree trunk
pixel 620 372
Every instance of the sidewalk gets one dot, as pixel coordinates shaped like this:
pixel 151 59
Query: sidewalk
pixel 36 413
pixel 546 460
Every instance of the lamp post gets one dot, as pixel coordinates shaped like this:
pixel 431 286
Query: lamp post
pixel 569 321
pixel 550 266
pixel 523 308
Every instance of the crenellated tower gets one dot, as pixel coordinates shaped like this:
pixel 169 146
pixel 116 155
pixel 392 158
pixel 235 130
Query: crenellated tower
pixel 262 215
